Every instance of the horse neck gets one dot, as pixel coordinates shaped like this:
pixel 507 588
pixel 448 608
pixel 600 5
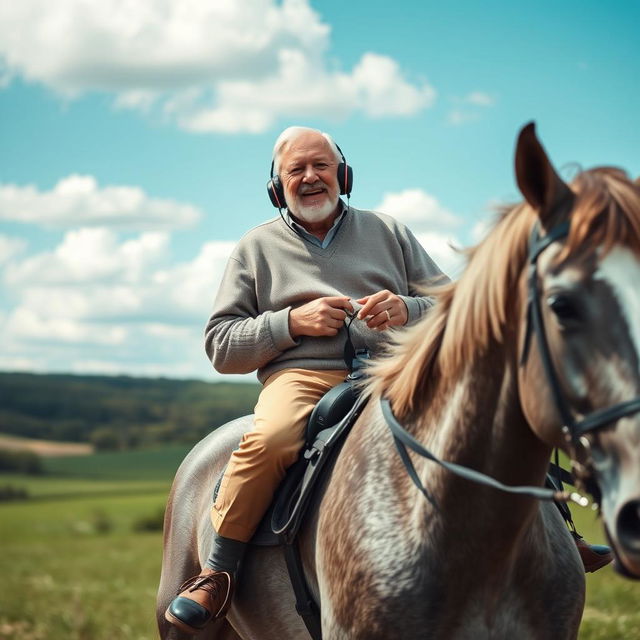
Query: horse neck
pixel 477 548
pixel 477 421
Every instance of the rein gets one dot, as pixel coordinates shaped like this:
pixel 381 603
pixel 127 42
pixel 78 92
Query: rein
pixel 404 439
pixel 573 430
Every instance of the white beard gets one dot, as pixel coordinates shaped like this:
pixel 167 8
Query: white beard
pixel 316 214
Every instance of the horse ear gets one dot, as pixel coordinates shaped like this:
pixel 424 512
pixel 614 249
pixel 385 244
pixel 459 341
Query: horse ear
pixel 538 181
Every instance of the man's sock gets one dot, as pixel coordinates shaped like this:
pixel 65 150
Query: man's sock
pixel 226 554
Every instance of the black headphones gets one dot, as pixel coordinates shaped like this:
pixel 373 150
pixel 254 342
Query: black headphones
pixel 276 190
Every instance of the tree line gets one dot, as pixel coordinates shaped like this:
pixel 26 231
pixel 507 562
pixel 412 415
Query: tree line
pixel 118 412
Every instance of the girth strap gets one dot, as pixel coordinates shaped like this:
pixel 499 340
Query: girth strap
pixel 305 605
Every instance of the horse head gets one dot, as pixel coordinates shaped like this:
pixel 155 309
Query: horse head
pixel 579 342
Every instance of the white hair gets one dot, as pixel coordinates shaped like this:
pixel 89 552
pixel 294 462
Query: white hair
pixel 290 134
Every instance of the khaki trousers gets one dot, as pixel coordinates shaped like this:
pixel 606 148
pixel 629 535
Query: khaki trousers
pixel 258 465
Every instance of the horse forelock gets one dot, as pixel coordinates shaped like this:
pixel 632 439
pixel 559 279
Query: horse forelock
pixel 477 309
pixel 606 212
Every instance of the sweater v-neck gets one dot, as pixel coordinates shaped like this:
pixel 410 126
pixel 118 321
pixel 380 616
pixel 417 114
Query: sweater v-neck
pixel 338 238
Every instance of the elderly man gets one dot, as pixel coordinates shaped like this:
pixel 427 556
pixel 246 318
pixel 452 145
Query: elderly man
pixel 287 289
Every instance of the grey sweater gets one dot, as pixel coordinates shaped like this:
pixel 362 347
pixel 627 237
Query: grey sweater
pixel 272 270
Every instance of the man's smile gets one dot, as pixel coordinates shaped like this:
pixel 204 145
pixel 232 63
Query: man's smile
pixel 312 193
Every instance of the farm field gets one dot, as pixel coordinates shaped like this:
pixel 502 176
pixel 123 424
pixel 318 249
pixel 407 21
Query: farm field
pixel 76 567
pixel 44 447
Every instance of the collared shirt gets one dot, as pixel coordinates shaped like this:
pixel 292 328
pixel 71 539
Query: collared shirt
pixel 323 244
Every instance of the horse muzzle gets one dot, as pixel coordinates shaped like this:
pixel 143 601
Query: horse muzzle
pixel 624 538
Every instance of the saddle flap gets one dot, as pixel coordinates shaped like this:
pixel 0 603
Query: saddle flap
pixel 294 494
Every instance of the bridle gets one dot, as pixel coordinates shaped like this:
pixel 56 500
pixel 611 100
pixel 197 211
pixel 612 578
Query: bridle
pixel 574 430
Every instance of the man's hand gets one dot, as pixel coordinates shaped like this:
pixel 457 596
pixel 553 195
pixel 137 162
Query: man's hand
pixel 320 317
pixel 383 310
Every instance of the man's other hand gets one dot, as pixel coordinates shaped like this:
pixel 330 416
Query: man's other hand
pixel 320 317
pixel 383 310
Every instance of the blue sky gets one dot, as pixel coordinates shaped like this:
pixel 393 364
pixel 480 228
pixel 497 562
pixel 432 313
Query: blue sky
pixel 136 141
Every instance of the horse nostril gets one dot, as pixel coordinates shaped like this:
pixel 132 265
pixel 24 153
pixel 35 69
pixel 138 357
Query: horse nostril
pixel 628 526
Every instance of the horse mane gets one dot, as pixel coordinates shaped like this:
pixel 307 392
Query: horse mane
pixel 475 310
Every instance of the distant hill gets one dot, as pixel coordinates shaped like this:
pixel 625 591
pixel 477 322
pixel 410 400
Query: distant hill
pixel 118 412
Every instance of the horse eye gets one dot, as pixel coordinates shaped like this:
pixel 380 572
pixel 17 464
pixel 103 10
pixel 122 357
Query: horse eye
pixel 563 307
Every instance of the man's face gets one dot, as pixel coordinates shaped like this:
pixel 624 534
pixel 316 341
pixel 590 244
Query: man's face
pixel 308 172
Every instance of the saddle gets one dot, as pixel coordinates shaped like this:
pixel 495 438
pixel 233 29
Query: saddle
pixel 328 424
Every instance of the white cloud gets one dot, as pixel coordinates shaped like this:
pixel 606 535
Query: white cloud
pixel 419 210
pixel 480 99
pixel 79 201
pixel 191 286
pixel 459 116
pixel 5 75
pixel 480 230
pixel 100 304
pixel 376 87
pixel 79 45
pixel 432 224
pixel 92 276
pixel 385 92
pixel 41 326
pixel 90 256
pixel 469 108
pixel 10 247
pixel 444 250
pixel 207 66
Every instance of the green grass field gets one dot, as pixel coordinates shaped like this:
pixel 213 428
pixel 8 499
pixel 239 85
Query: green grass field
pixel 75 568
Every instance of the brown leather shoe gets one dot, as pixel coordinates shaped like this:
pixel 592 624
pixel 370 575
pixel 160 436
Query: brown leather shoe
pixel 201 599
pixel 594 556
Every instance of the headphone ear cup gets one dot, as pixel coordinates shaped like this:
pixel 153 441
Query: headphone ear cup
pixel 345 178
pixel 276 193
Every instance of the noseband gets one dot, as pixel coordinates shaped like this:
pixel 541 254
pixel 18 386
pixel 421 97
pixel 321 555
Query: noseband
pixel 575 430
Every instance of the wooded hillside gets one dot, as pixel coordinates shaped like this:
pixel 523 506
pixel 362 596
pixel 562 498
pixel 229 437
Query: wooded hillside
pixel 118 412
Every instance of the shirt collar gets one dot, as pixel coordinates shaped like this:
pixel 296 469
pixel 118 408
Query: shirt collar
pixel 343 209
